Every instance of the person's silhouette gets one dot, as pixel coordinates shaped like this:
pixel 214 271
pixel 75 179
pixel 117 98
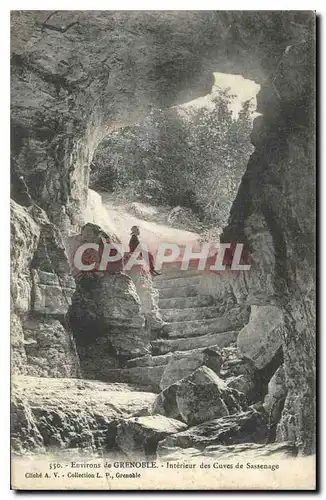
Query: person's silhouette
pixel 134 243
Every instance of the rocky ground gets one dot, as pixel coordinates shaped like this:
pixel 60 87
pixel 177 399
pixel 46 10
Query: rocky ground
pixel 170 365
pixel 193 390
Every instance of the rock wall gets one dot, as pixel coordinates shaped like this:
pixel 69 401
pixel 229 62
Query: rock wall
pixel 76 75
pixel 113 313
pixel 277 198
pixel 41 291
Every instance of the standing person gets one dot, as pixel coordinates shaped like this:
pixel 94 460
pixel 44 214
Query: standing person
pixel 134 243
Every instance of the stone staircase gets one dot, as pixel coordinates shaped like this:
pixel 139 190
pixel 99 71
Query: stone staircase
pixel 192 321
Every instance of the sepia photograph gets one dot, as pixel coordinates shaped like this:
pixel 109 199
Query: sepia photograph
pixel 163 250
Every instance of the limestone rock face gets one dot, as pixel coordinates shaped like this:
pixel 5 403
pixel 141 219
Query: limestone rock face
pixel 138 437
pixel 183 364
pixel 277 391
pixel 191 343
pixel 198 398
pixel 25 234
pixel 262 336
pixel 149 360
pixel 246 451
pixel 144 377
pixel 239 373
pixel 108 325
pixel 23 429
pixel 246 427
pixel 41 292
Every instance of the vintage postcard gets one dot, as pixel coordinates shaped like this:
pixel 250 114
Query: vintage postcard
pixel 163 206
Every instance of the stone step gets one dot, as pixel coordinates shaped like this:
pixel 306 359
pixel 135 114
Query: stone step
pixel 234 320
pixel 180 291
pixel 176 282
pixel 213 339
pixel 149 360
pixel 185 302
pixel 189 313
pixel 176 273
pixel 146 377
pixel 161 359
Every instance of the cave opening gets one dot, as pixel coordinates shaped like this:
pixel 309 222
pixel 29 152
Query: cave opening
pixel 57 131
pixel 174 174
pixel 179 167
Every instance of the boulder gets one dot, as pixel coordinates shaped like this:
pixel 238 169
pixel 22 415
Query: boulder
pixel 245 451
pixel 18 354
pixel 182 364
pixel 60 413
pixel 138 437
pixel 262 336
pixel 198 398
pixel 250 426
pixel 238 372
pixel 21 292
pixel 41 287
pixel 107 322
